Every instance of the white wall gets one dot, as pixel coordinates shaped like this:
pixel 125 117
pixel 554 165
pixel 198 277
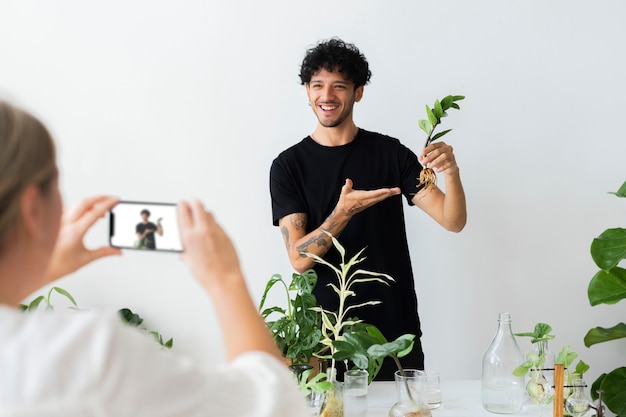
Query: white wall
pixel 162 100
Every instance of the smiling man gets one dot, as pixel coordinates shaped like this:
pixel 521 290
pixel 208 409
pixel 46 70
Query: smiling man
pixel 349 181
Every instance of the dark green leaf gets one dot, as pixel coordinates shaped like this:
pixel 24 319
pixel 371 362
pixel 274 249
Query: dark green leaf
pixel 455 106
pixel 608 249
pixel 614 387
pixel 360 360
pixel 440 134
pixel 621 192
pixel 446 102
pixel 271 310
pixel 458 98
pixel 378 351
pixel 607 287
pixel 270 283
pixel 596 386
pixel 601 334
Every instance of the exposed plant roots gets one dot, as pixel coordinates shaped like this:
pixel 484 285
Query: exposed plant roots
pixel 428 178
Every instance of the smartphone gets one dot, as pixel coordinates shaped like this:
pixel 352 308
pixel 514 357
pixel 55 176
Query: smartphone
pixel 144 226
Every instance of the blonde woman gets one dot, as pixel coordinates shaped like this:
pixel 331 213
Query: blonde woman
pixel 87 364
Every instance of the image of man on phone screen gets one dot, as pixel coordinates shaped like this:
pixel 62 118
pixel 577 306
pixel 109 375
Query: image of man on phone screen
pixel 145 231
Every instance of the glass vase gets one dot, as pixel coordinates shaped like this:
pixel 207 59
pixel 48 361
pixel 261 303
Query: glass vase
pixel 502 392
pixel 410 389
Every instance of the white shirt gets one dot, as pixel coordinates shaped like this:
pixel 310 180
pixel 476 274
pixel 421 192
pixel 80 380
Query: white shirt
pixel 80 363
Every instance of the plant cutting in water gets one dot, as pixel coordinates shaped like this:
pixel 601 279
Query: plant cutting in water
pixel 428 177
pixel 538 388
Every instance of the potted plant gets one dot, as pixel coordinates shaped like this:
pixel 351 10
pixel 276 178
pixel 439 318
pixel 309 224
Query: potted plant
pixel 608 286
pixel 346 337
pixel 296 328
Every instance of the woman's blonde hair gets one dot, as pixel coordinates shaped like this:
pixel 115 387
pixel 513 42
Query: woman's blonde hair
pixel 27 157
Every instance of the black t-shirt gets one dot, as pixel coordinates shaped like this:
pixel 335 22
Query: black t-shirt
pixel 307 178
pixel 148 241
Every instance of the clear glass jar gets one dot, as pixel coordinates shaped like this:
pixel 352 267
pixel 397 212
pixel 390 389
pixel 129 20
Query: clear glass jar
pixel 577 404
pixel 502 392
pixel 410 389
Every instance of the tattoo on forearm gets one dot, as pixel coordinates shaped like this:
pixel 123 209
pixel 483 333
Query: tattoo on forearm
pixel 320 240
pixel 285 233
pixel 298 221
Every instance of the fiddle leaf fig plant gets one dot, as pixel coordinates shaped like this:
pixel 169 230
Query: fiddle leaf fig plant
pixel 608 286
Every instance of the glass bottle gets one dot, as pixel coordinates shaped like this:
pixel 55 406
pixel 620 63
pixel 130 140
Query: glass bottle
pixel 502 392
pixel 540 381
pixel 410 389
pixel 577 404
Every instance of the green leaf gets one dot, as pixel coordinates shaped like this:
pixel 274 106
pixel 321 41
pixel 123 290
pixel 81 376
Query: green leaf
pixel 129 317
pixel 608 249
pixel 440 134
pixel 607 287
pixel 614 387
pixel 431 116
pixel 270 283
pixel 65 293
pixel 455 106
pixel 596 386
pixel 438 110
pixel 458 98
pixel 446 102
pixel 35 303
pixel 601 334
pixel 565 357
pixel 581 367
pixel 360 360
pixel 621 192
pixel 521 370
pixel 425 126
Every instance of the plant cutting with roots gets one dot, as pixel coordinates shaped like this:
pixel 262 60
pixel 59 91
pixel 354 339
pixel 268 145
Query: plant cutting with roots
pixel 428 177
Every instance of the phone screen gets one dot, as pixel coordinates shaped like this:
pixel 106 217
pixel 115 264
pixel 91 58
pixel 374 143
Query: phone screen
pixel 144 226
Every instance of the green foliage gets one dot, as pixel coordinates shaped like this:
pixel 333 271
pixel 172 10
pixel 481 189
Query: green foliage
pixel 33 305
pixel 318 383
pixel 539 334
pixel 434 116
pixel 608 286
pixel 134 320
pixel 297 330
pixel 346 337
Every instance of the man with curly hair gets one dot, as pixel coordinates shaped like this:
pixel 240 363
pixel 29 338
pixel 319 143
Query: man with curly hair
pixel 348 181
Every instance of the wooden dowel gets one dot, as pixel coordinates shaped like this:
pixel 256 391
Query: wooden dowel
pixel 557 401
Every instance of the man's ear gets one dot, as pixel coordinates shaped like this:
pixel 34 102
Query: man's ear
pixel 358 94
pixel 31 211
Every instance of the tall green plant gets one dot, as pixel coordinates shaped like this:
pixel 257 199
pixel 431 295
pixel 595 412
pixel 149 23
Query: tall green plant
pixel 347 337
pixel 608 286
pixel 335 324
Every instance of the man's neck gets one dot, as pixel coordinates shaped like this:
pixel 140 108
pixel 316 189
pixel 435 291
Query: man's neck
pixel 335 136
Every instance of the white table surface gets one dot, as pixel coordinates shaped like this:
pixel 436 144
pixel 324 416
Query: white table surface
pixel 460 398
